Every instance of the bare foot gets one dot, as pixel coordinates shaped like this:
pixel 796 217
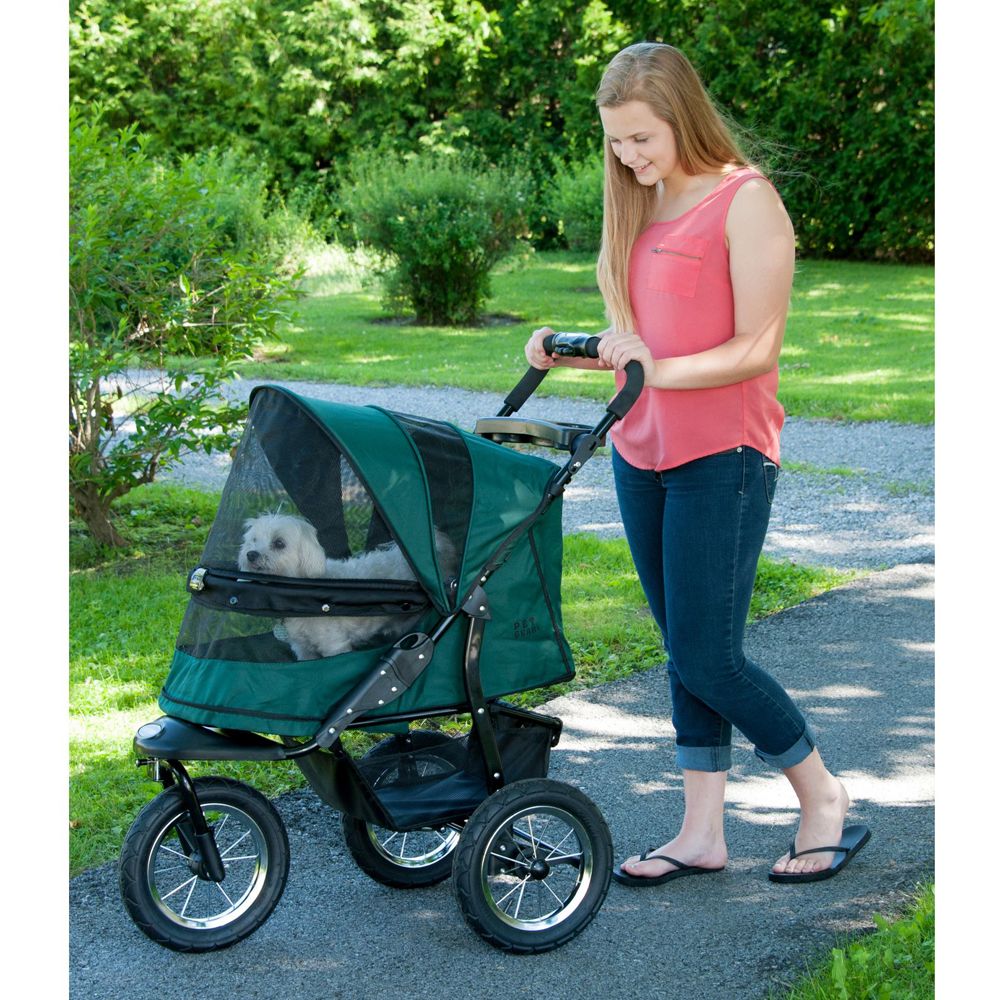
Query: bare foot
pixel 684 849
pixel 821 824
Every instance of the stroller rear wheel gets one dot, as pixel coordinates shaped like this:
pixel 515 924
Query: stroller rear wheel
pixel 162 881
pixel 403 859
pixel 533 865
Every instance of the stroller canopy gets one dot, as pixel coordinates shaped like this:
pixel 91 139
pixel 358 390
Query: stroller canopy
pixel 368 480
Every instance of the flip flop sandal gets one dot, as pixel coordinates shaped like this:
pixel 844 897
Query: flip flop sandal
pixel 851 841
pixel 681 870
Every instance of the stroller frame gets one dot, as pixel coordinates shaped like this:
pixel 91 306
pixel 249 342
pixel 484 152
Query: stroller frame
pixel 488 824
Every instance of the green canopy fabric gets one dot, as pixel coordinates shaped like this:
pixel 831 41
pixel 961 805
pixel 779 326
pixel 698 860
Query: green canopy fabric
pixel 364 476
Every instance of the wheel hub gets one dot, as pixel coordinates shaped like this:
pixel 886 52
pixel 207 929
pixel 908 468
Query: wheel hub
pixel 539 869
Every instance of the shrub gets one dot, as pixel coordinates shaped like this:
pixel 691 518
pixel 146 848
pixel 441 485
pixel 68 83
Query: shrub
pixel 444 222
pixel 845 88
pixel 578 202
pixel 173 268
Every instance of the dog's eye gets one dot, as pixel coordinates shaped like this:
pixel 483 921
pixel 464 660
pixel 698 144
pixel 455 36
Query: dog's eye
pixel 278 543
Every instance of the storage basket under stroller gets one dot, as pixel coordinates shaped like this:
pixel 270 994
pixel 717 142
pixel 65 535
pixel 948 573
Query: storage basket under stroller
pixel 368 569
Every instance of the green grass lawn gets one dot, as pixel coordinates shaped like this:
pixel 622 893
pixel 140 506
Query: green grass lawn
pixel 859 344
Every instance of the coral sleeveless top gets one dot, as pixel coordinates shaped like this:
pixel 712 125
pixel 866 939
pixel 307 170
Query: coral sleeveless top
pixel 682 300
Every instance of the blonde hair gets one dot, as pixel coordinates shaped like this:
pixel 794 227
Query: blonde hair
pixel 660 76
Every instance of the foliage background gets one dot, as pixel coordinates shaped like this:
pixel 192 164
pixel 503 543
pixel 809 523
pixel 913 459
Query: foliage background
pixel 839 93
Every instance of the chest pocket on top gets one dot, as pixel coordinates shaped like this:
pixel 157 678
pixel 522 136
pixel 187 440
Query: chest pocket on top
pixel 676 264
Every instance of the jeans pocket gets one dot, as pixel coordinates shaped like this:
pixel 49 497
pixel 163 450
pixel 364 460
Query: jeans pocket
pixel 771 472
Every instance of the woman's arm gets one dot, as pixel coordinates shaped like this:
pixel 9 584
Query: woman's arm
pixel 761 263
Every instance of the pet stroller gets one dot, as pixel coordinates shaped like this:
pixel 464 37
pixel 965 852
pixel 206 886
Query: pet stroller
pixel 475 618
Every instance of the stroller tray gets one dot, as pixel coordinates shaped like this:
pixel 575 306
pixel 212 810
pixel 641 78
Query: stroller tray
pixel 517 430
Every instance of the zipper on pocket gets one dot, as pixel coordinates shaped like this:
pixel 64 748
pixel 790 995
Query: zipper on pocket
pixel 676 253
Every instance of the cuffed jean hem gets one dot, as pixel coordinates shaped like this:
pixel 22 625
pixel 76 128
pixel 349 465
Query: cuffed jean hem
pixel 797 753
pixel 705 758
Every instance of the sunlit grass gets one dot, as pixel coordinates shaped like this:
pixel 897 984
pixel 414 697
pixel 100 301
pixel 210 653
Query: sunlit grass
pixel 896 960
pixel 869 327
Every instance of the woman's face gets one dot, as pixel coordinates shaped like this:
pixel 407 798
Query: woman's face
pixel 644 143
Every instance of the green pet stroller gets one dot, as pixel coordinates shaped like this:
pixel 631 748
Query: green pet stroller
pixel 289 640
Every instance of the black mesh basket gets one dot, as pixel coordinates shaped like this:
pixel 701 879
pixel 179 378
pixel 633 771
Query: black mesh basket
pixel 441 783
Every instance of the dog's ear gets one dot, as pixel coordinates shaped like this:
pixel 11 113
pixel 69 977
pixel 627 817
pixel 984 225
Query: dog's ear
pixel 312 558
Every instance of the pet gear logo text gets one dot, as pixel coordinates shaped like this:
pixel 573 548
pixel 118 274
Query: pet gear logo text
pixel 526 627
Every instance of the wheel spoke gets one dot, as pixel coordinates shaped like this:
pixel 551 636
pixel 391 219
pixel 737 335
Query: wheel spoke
pixel 558 898
pixel 569 833
pixel 520 899
pixel 171 868
pixel 170 850
pixel 531 837
pixel 510 860
pixel 193 878
pixel 194 882
pixel 235 843
pixel 218 886
pixel 520 885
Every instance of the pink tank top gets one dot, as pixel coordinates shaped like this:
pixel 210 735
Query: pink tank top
pixel 682 299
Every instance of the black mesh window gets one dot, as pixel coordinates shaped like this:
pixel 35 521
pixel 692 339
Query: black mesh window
pixel 286 464
pixel 449 475
pixel 291 504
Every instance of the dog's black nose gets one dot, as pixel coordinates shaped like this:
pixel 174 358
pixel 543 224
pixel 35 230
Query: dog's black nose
pixel 252 556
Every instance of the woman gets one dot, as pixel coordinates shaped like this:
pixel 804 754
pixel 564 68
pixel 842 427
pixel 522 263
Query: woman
pixel 696 266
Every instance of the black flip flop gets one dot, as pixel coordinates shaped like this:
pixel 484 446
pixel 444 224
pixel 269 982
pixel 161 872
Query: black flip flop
pixel 681 870
pixel 851 841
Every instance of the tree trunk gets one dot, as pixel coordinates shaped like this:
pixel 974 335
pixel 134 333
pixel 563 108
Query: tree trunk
pixel 95 512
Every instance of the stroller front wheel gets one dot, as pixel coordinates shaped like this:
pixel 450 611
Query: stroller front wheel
pixel 533 866
pixel 162 882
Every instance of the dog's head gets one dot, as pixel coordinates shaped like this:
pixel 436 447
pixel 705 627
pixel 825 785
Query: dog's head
pixel 283 545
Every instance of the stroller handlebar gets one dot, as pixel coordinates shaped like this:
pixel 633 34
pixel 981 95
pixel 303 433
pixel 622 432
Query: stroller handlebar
pixel 575 345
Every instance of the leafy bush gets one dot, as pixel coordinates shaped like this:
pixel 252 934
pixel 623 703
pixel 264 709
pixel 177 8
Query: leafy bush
pixel 578 203
pixel 845 89
pixel 173 268
pixel 444 222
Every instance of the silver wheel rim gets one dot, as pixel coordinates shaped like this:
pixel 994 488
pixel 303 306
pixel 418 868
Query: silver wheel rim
pixel 537 868
pixel 198 903
pixel 413 848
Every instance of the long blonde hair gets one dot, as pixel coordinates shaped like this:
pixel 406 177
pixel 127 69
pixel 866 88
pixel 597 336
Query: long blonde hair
pixel 662 77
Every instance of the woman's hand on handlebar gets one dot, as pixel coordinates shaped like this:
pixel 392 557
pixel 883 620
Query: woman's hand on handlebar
pixel 616 350
pixel 538 357
pixel 535 352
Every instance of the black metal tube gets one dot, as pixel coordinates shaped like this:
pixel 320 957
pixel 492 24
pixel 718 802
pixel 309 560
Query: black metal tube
pixel 211 860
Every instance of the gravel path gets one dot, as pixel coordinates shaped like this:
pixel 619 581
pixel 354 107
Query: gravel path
pixel 849 496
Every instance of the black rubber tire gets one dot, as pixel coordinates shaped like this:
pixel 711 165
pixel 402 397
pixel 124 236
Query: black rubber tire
pixel 566 851
pixel 383 854
pixel 153 859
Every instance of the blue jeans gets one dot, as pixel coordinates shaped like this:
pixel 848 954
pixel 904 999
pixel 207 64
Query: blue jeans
pixel 696 533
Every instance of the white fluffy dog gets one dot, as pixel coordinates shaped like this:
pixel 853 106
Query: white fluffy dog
pixel 286 545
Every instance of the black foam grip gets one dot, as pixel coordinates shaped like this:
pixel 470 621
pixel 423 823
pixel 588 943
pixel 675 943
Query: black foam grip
pixel 635 378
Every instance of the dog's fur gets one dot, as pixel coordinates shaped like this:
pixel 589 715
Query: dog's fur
pixel 286 545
